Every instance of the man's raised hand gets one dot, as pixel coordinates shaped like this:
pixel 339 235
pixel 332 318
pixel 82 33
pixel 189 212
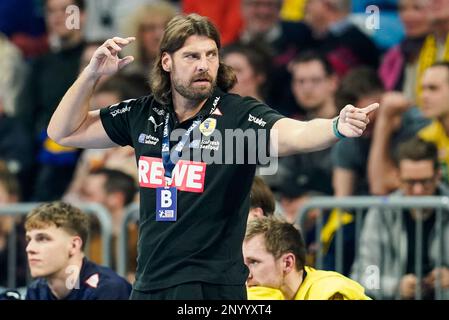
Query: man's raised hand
pixel 105 60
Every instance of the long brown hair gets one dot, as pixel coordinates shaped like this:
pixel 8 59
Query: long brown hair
pixel 178 30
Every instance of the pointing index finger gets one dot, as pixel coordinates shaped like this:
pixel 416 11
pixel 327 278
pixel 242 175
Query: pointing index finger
pixel 370 108
pixel 122 42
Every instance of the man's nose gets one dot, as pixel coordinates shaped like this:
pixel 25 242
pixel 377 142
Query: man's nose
pixel 418 189
pixel 30 248
pixel 203 64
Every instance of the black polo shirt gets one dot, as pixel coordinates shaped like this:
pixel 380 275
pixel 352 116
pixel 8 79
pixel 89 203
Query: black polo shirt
pixel 205 243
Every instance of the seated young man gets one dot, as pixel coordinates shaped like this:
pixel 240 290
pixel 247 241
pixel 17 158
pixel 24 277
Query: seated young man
pixel 56 234
pixel 274 252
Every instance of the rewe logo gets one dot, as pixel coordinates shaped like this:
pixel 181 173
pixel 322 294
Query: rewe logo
pixel 187 175
pixel 258 121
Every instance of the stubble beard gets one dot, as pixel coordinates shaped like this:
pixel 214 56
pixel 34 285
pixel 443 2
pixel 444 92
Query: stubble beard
pixel 191 93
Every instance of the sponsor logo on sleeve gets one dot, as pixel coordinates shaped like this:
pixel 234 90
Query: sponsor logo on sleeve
pixel 120 111
pixel 258 121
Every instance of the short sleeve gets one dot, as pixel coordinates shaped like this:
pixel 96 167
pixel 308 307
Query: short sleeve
pixel 117 121
pixel 255 115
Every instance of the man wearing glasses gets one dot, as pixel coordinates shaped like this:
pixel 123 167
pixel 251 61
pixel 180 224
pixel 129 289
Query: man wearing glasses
pixel 388 238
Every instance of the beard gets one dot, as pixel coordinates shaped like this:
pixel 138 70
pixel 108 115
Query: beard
pixel 192 92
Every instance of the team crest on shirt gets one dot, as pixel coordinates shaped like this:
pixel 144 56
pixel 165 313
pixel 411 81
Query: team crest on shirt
pixel 208 126
pixel 93 280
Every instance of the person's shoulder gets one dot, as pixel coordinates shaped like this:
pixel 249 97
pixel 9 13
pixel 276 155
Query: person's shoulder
pixel 36 288
pixel 129 106
pixel 327 284
pixel 106 282
pixel 237 101
pixel 37 284
pixel 432 131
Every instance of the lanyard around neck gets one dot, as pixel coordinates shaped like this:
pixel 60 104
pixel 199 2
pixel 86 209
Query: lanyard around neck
pixel 169 160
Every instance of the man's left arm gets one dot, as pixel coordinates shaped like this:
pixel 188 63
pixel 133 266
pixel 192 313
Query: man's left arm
pixel 294 136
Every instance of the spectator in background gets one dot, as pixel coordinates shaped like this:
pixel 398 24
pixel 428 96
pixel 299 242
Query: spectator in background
pixel 50 76
pixel 10 194
pixel 263 25
pixel 251 65
pixel 303 176
pixel 16 149
pixel 57 234
pixel 117 88
pixel 261 20
pixel 274 252
pixel 398 70
pixel 350 157
pixel 23 22
pixel 105 18
pixel 435 105
pixel 344 45
pixel 262 203
pixel 436 45
pixel 147 24
pixel 225 14
pixel 388 236
pixel 12 74
pixel 314 84
pixel 114 190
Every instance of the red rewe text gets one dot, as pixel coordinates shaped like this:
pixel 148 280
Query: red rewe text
pixel 187 175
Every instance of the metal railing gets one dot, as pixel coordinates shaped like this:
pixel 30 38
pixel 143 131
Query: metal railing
pixel 131 215
pixel 22 209
pixel 359 204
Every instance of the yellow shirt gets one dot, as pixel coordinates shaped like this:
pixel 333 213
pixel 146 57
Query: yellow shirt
pixel 317 285
pixel 293 10
pixel 436 134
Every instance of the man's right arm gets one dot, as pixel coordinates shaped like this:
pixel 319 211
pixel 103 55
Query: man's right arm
pixel 72 124
pixel 382 172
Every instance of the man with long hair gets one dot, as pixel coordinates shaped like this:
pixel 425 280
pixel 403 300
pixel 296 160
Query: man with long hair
pixel 192 213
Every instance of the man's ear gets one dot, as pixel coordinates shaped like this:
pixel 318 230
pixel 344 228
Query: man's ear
pixel 166 62
pixel 288 262
pixel 257 212
pixel 76 245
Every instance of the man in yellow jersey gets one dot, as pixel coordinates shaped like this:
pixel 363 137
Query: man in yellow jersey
pixel 435 105
pixel 274 252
